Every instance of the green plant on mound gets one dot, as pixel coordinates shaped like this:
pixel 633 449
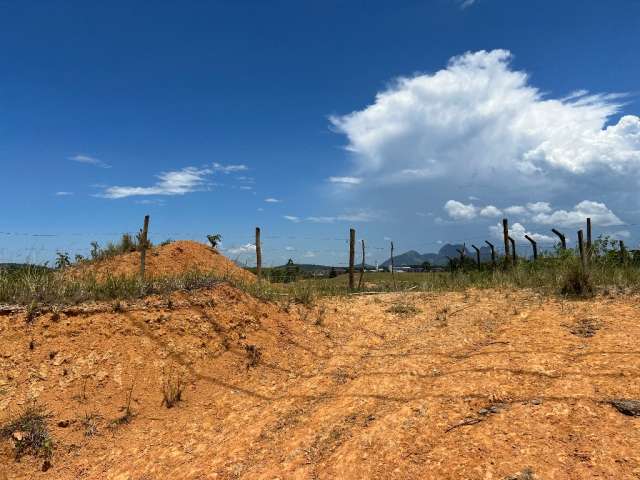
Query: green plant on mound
pixel 30 434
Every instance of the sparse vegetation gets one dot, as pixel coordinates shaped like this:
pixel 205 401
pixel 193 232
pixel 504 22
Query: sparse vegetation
pixel 126 244
pixel 128 414
pixel 172 387
pixel 403 309
pixel 30 434
pixel 90 424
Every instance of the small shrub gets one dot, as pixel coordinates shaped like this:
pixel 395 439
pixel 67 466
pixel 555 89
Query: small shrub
pixel 30 434
pixel 577 283
pixel 214 240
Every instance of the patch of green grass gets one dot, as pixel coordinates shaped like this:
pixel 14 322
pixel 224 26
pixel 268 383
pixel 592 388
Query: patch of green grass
pixel 37 287
pixel 30 434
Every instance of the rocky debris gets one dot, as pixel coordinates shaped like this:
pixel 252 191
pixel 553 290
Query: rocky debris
pixel 585 327
pixel 526 474
pixel 627 407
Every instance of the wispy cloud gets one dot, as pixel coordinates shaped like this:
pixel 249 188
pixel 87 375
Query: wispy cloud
pixel 464 4
pixel 346 180
pixel 272 200
pixel 292 218
pixel 355 216
pixel 226 169
pixel 63 194
pixel 242 249
pixel 174 182
pixel 177 182
pixel 89 161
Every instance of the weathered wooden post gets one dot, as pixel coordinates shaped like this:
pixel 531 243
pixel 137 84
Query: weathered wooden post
pixel 493 253
pixel 583 259
pixel 143 245
pixel 361 268
pixel 534 245
pixel 477 255
pixel 623 253
pixel 563 239
pixel 505 233
pixel 393 274
pixel 514 255
pixel 589 246
pixel 461 252
pixel 352 255
pixel 258 254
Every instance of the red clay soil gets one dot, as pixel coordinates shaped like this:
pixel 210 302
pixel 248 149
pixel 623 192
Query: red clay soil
pixel 477 385
pixel 169 260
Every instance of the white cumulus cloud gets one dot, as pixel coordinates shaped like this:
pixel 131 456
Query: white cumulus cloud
pixel 176 182
pixel 599 213
pixel 490 211
pixel 481 117
pixel 517 231
pixel 460 211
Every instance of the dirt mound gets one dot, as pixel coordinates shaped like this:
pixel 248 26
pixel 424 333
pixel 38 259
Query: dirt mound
pixel 168 260
pixel 470 386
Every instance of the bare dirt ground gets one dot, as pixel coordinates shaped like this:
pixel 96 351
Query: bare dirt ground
pixel 475 385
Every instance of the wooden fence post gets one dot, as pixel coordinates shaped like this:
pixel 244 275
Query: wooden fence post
pixel 514 255
pixel 352 255
pixel 563 239
pixel 393 274
pixel 583 260
pixel 258 254
pixel 493 253
pixel 534 245
pixel 623 253
pixel 143 245
pixel 505 233
pixel 461 252
pixel 477 255
pixel 361 268
pixel 589 246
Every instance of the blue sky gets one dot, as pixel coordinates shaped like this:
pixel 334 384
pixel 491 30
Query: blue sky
pixel 418 121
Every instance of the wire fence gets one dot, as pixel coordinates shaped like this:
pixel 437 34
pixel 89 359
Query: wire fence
pixel 40 247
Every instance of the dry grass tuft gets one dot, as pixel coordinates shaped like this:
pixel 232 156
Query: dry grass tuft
pixel 172 387
pixel 253 355
pixel 403 309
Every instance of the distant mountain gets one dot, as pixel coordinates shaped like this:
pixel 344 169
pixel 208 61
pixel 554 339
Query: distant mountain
pixel 440 259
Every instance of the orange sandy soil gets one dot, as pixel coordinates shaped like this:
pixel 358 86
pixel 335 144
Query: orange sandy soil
pixel 173 259
pixel 342 390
